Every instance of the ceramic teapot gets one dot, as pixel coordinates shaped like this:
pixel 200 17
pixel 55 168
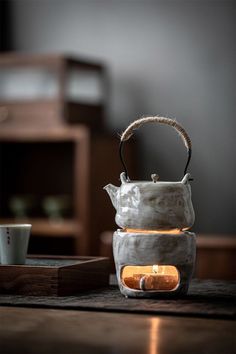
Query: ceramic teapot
pixel 154 204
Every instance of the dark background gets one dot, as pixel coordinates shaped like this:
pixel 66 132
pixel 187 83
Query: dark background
pixel 172 58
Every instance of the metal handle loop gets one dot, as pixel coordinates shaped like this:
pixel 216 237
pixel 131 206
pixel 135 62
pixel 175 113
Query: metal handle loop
pixel 161 120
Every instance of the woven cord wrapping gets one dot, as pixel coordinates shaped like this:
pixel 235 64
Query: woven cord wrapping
pixel 129 131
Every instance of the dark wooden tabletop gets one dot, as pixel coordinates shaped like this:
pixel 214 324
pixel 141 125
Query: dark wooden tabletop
pixel 105 322
pixel 44 331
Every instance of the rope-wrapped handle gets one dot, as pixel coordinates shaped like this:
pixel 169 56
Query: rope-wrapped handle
pixel 129 131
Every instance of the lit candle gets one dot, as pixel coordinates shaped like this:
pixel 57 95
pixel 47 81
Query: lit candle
pixel 155 280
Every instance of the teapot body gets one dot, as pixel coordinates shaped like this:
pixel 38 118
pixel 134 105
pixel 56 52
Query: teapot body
pixel 154 205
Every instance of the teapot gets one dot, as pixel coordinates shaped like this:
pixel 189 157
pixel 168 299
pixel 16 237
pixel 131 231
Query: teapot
pixel 153 205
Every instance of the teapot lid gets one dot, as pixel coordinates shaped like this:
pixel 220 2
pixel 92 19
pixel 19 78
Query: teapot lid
pixel 155 179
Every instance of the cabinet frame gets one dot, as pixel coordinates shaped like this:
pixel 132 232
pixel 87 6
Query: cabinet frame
pixel 78 226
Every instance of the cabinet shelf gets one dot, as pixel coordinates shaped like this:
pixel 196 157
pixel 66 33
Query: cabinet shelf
pixel 69 161
pixel 30 134
pixel 45 227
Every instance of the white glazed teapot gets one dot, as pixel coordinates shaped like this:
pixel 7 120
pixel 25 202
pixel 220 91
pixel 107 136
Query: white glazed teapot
pixel 153 205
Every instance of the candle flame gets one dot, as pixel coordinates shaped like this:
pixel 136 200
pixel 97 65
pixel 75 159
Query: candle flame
pixel 155 268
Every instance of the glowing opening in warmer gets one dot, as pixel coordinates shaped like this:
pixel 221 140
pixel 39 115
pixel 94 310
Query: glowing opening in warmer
pixel 151 277
pixel 168 232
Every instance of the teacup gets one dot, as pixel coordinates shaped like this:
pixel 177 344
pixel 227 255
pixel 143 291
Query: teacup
pixel 14 240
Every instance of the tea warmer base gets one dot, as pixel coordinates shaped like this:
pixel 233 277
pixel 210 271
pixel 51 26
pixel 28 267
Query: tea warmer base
pixel 140 249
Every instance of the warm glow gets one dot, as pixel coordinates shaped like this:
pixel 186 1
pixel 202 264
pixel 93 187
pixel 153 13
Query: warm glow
pixel 154 328
pixel 129 271
pixel 151 277
pixel 169 232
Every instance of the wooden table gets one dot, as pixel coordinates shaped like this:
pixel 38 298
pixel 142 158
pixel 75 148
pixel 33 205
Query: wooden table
pixel 43 331
pixel 105 322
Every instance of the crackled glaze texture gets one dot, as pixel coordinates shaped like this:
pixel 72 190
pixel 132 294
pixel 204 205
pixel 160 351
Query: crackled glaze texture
pixel 152 205
pixel 140 249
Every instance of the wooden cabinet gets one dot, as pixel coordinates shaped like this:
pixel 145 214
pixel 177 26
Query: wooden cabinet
pixel 216 257
pixel 53 146
pixel 51 90
pixel 61 161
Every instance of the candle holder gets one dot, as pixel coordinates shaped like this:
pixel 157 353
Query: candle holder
pixel 153 251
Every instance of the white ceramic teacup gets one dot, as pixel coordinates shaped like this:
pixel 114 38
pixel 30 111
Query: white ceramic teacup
pixel 14 240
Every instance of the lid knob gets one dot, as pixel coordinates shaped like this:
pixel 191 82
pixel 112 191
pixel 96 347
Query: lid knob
pixel 155 177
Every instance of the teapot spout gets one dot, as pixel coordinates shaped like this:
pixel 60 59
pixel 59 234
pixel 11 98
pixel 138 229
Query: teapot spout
pixel 112 191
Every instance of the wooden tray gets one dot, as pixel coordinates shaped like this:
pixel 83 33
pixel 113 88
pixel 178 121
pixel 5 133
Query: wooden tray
pixel 54 275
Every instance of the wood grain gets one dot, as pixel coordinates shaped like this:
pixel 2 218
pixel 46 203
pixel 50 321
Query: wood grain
pixel 62 331
pixel 45 279
pixel 45 227
pixel 49 113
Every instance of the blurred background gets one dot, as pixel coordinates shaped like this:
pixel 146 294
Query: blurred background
pixel 74 74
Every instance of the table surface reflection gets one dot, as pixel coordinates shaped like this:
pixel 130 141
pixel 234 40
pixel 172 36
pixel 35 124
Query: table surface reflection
pixel 44 331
